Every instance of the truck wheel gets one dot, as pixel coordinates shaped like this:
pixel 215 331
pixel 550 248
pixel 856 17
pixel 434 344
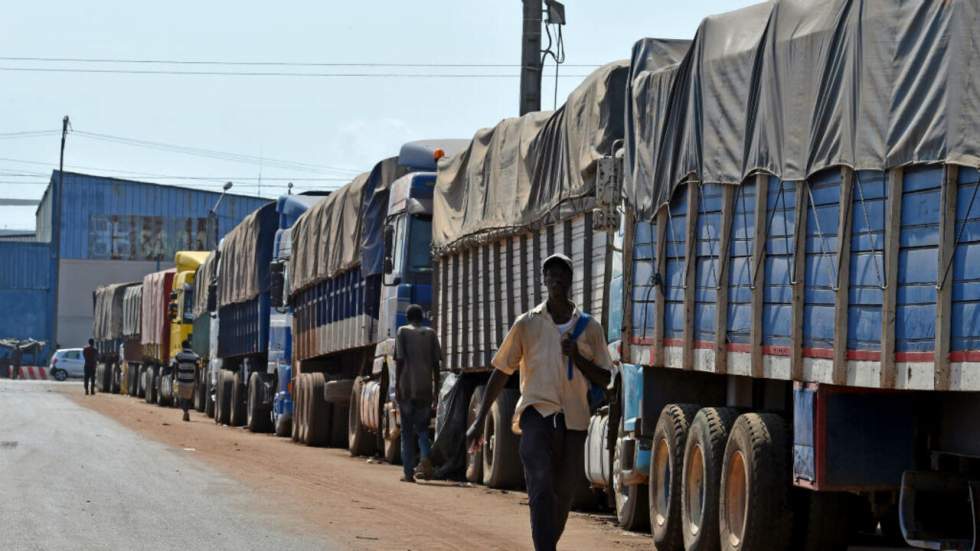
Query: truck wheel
pixel 284 426
pixel 319 421
pixel 199 392
pixel 359 440
pixel 304 428
pixel 501 458
pixel 703 457
pixel 237 416
pixel 208 399
pixel 393 450
pixel 226 384
pixel 297 406
pixel 474 460
pixel 147 386
pixel 337 394
pixel 115 382
pixel 631 499
pixel 667 458
pixel 754 512
pixel 257 414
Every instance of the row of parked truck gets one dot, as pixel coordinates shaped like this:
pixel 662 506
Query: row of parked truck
pixel 775 223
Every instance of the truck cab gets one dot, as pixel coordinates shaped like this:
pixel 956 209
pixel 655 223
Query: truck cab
pixel 181 304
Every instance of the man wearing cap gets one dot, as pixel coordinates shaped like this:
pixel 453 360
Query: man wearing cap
pixel 556 368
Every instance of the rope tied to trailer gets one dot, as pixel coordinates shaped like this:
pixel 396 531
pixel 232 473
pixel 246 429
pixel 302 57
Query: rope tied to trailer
pixel 959 235
pixel 670 228
pixel 780 199
pixel 834 272
pixel 711 241
pixel 874 240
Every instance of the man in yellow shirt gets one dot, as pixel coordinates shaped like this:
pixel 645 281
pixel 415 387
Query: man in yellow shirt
pixel 553 412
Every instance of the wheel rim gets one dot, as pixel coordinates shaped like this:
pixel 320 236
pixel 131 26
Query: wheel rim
pixel 621 490
pixel 736 486
pixel 661 481
pixel 694 489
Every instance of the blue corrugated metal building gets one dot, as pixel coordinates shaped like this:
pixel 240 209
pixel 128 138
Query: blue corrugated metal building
pixel 94 230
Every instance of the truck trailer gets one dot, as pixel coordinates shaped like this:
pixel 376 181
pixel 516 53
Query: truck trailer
pixel 131 350
pixel 359 258
pixel 155 332
pixel 799 352
pixel 201 332
pixel 107 331
pixel 521 191
pixel 180 319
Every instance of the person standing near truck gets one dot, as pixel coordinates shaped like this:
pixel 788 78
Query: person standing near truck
pixel 91 359
pixel 559 351
pixel 186 361
pixel 417 355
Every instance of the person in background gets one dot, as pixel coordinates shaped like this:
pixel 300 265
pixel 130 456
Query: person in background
pixel 91 357
pixel 553 412
pixel 186 361
pixel 417 356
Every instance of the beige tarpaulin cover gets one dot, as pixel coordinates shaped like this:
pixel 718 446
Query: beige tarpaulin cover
pixel 109 311
pixel 156 291
pixel 327 238
pixel 793 87
pixel 205 274
pixel 245 255
pixel 132 311
pixel 533 169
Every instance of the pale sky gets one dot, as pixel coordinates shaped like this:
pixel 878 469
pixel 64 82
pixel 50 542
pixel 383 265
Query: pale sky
pixel 327 128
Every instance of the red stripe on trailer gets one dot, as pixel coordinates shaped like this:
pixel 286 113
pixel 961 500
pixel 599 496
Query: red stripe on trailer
pixel 965 356
pixel 864 355
pixel 739 347
pixel 914 356
pixel 776 350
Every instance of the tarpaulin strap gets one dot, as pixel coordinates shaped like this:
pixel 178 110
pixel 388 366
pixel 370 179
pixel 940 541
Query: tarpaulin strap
pixel 959 234
pixel 670 228
pixel 823 240
pixel 711 241
pixel 874 239
pixel 772 216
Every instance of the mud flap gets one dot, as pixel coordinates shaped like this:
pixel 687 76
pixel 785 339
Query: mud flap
pixel 939 510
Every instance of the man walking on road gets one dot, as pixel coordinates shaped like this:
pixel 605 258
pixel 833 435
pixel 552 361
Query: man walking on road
pixel 186 361
pixel 559 351
pixel 417 356
pixel 91 359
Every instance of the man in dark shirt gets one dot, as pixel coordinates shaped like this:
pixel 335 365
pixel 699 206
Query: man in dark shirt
pixel 91 358
pixel 417 356
pixel 186 363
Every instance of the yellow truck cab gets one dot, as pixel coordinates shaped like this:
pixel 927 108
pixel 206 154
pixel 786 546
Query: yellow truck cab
pixel 182 297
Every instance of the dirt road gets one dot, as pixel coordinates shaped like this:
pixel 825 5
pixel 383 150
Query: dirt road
pixel 356 503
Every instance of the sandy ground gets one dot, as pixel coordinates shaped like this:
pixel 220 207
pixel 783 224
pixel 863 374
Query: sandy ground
pixel 353 502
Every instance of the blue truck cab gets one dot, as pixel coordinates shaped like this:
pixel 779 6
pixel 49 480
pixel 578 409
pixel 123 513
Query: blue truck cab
pixel 289 208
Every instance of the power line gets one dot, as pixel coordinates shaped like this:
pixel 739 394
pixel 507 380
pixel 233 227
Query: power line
pixel 186 177
pixel 269 74
pixel 260 63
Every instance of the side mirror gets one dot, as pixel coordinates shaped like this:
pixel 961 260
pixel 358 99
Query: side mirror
pixel 212 297
pixel 389 249
pixel 277 280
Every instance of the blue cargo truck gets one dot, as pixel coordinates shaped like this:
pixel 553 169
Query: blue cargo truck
pixel 289 208
pixel 359 258
pixel 799 348
pixel 242 306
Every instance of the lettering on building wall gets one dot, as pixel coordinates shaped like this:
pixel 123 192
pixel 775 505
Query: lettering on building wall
pixel 134 237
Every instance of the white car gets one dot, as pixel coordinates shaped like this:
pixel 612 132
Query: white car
pixel 67 362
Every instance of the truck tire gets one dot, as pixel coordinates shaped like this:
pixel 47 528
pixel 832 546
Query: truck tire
pixel 474 460
pixel 319 422
pixel 115 381
pixel 223 405
pixel 237 417
pixel 208 399
pixel 632 511
pixel 304 428
pixel 359 440
pixel 297 406
pixel 754 507
pixel 284 426
pixel 200 392
pixel 666 474
pixel 258 416
pixel 148 386
pixel 501 458
pixel 337 394
pixel 703 457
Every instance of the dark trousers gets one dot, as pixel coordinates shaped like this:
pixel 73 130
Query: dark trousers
pixel 553 457
pixel 89 376
pixel 414 416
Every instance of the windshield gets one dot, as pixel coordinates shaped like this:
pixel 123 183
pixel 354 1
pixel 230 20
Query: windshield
pixel 419 258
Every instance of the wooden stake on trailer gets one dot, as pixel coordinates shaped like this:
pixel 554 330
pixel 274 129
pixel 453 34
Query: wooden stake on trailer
pixel 659 307
pixel 758 273
pixel 944 283
pixel 690 269
pixel 889 298
pixel 841 295
pixel 721 293
pixel 799 276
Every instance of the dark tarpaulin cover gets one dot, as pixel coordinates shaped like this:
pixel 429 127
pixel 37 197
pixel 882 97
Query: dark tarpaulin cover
pixel 795 86
pixel 108 322
pixel 532 169
pixel 343 229
pixel 373 214
pixel 205 275
pixel 245 256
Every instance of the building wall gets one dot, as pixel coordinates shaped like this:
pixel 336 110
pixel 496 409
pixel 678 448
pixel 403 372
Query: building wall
pixel 25 290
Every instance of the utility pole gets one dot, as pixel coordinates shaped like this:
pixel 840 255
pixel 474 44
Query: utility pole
pixel 531 62
pixel 56 211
